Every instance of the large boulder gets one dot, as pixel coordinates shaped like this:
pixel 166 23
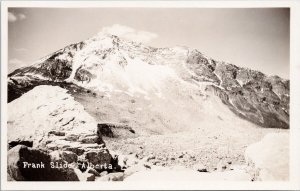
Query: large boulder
pixel 67 156
pixel 268 159
pixel 35 165
pixel 100 158
pixel 114 130
pixel 45 112
pixel 61 134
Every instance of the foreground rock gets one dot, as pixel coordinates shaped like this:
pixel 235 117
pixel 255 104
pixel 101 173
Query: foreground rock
pixel 31 164
pixel 268 159
pixel 46 126
pixel 47 111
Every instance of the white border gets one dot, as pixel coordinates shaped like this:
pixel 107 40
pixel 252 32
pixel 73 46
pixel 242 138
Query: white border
pixel 294 182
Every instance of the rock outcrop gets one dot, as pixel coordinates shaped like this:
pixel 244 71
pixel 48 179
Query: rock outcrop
pixel 27 164
pixel 113 130
pixel 47 127
pixel 48 112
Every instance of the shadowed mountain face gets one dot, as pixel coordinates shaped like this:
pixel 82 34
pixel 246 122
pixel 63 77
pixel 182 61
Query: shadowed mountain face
pixel 113 66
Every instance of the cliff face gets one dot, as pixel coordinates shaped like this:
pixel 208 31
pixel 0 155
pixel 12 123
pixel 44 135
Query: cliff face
pixel 106 63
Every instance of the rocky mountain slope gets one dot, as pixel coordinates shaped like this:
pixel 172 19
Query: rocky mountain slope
pixel 106 63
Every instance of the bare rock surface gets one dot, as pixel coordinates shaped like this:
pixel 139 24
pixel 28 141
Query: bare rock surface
pixel 61 134
pixel 47 111
pixel 35 165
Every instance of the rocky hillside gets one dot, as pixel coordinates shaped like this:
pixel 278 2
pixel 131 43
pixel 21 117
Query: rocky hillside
pixel 109 64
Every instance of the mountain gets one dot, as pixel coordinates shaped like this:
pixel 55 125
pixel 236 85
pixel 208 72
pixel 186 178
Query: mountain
pixel 164 83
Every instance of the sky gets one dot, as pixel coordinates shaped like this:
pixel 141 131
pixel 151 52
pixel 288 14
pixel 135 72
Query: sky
pixel 256 38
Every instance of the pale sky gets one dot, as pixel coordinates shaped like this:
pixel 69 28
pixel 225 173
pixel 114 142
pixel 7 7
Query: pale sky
pixel 253 38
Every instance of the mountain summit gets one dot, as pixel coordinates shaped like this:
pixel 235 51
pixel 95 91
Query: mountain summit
pixel 175 88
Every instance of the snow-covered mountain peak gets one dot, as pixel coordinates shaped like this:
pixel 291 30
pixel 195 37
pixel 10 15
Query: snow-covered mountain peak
pixel 108 63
